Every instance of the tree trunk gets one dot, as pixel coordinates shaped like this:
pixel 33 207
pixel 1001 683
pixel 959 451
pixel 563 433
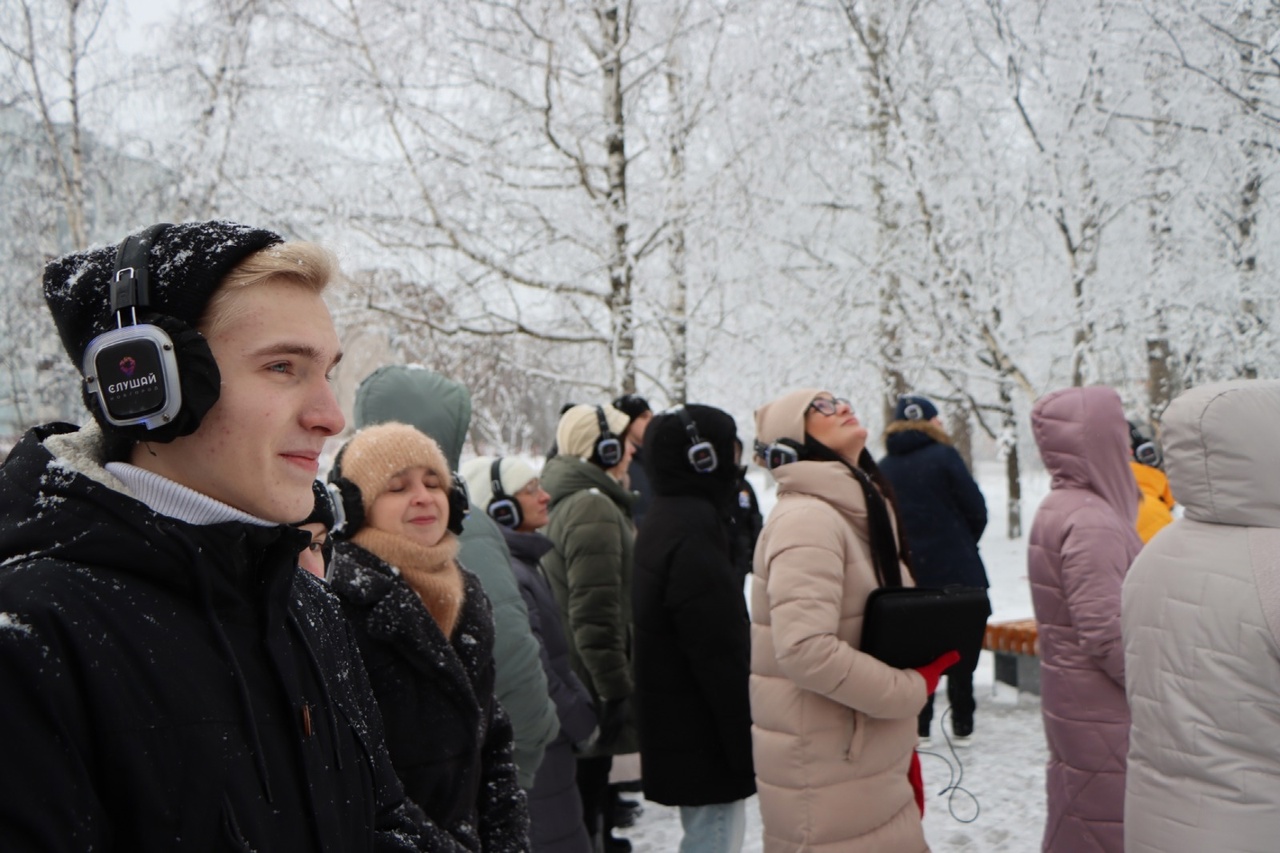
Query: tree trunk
pixel 1160 388
pixel 1012 472
pixel 678 305
pixel 621 267
pixel 961 433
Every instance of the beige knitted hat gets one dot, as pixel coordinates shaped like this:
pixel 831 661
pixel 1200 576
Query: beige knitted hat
pixel 784 417
pixel 376 454
pixel 580 428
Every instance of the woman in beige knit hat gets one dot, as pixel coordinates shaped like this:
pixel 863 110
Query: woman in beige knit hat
pixel 833 729
pixel 425 629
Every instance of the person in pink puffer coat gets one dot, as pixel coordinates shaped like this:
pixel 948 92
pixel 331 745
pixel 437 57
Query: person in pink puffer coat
pixel 1082 542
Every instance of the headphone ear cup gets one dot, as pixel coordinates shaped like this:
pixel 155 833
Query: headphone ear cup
pixel 459 504
pixel 784 451
pixel 348 507
pixel 609 451
pixel 702 456
pixel 1148 454
pixel 199 384
pixel 506 511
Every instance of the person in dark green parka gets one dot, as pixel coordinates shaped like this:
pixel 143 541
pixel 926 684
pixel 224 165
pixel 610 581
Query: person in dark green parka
pixel 441 408
pixel 590 570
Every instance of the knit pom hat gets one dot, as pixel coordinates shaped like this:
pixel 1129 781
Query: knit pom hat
pixel 579 429
pixel 186 264
pixel 514 474
pixel 912 407
pixel 376 454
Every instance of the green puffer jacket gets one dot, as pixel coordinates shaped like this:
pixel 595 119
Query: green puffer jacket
pixel 441 408
pixel 590 570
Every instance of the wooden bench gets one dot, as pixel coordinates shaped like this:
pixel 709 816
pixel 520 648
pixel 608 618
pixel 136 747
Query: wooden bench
pixel 1016 647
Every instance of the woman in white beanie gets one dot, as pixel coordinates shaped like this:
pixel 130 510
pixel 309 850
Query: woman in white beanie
pixel 834 729
pixel 425 630
pixel 590 571
pixel 508 490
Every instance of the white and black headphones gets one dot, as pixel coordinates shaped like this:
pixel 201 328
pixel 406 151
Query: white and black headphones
pixel 503 508
pixel 132 369
pixel 701 455
pixel 608 449
pixel 1145 450
pixel 784 451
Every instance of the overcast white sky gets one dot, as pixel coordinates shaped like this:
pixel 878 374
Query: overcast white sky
pixel 132 18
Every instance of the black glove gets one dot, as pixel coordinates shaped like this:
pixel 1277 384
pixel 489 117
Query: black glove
pixel 614 715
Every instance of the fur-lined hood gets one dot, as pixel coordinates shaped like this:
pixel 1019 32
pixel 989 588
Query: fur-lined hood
pixel 905 436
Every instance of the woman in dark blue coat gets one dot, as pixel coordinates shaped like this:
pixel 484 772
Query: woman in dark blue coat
pixel 944 514
pixel 519 506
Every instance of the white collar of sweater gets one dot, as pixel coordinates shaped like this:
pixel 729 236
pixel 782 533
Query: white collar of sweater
pixel 175 500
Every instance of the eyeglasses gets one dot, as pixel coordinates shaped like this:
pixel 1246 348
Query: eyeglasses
pixel 828 405
pixel 532 489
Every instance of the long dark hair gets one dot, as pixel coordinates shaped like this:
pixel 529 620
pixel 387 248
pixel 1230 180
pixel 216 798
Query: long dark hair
pixel 885 551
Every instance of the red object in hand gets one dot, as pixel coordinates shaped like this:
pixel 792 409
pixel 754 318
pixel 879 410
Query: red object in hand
pixel 916 780
pixel 932 672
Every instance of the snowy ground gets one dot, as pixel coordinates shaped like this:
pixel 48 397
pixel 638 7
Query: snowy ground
pixel 998 804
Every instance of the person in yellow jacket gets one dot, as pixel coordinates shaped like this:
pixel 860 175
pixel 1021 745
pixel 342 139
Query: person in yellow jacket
pixel 1156 508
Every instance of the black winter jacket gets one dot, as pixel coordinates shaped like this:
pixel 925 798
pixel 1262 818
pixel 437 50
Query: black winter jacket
pixel 450 740
pixel 745 524
pixel 555 807
pixel 942 510
pixel 693 642
pixel 171 687
pixel 638 483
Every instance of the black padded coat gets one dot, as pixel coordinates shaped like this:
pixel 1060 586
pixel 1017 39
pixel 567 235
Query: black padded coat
pixel 450 740
pixel 693 641
pixel 171 687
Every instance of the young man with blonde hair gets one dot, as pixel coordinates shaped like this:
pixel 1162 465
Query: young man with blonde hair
pixel 171 680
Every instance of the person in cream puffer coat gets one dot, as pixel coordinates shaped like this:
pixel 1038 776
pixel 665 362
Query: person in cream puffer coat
pixel 834 730
pixel 1201 627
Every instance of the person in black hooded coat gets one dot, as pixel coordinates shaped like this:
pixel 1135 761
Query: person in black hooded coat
pixel 693 645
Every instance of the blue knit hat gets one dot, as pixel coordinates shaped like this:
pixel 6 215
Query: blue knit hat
pixel 914 408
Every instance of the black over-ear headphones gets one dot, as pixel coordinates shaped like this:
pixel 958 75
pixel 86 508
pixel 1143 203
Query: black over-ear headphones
pixel 503 508
pixel 133 368
pixel 608 448
pixel 1145 449
pixel 1148 454
pixel 701 455
pixel 784 451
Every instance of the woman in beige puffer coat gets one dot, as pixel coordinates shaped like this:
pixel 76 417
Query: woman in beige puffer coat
pixel 834 729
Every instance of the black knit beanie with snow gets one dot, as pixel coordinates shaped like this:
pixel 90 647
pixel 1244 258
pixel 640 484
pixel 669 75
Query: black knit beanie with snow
pixel 187 262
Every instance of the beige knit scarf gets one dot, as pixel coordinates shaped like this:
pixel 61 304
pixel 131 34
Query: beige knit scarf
pixel 432 573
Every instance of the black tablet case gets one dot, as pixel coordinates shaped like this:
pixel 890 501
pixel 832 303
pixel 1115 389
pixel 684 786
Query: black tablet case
pixel 909 627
